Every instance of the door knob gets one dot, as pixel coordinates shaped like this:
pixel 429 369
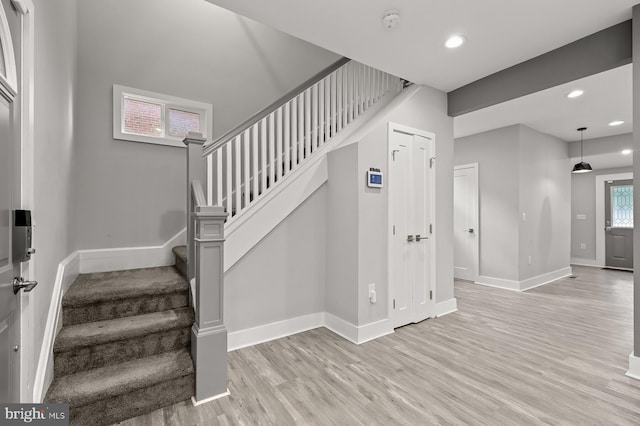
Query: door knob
pixel 19 283
pixel 470 230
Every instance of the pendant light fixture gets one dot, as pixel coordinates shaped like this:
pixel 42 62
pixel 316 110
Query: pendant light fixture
pixel 582 167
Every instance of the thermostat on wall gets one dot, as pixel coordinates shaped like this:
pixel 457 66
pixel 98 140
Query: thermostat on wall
pixel 374 178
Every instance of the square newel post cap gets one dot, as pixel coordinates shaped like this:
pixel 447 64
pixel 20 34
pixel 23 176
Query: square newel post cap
pixel 194 138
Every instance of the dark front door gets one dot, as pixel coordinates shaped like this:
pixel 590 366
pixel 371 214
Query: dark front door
pixel 618 199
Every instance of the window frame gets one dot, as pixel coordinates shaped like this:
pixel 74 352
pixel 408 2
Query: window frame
pixel 167 102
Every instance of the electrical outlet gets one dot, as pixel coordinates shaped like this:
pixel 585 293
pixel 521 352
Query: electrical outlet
pixel 372 293
pixel 583 246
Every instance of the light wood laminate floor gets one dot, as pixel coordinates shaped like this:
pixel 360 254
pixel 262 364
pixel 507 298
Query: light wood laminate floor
pixel 556 354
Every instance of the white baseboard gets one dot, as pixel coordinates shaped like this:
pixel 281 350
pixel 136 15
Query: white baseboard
pixel 586 262
pixel 544 279
pixel 498 283
pixel 446 307
pixel 527 284
pixel 68 270
pixel 213 398
pixel 116 259
pixel 374 330
pixel 275 330
pixel 341 327
pixel 634 367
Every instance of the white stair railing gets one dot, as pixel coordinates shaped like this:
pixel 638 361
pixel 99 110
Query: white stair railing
pixel 248 162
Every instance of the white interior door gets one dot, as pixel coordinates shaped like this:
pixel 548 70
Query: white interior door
pixel 410 210
pixel 465 222
pixel 9 200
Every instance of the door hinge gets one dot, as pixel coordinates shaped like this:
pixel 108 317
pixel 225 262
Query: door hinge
pixel 431 228
pixel 431 161
pixel 394 230
pixel 430 294
pixel 394 303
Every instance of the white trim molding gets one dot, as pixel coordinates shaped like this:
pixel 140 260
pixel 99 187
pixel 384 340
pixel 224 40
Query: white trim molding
pixel 634 367
pixel 213 398
pixel 498 283
pixel 600 225
pixel 578 261
pixel 545 278
pixel 341 327
pixel 116 259
pixel 527 284
pixel 275 330
pixel 68 271
pixel 446 307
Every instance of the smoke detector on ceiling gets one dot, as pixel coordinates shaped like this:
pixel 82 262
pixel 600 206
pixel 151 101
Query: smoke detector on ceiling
pixel 391 19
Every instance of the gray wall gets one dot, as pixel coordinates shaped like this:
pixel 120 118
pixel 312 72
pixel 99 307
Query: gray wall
pixel 426 110
pixel 545 199
pixel 583 201
pixel 342 242
pixel 55 96
pixel 283 276
pixel 132 194
pixel 520 171
pixel 496 153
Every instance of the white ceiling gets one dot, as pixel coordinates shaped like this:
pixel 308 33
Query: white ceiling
pixel 607 97
pixel 500 34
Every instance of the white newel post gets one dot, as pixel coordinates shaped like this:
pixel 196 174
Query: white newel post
pixel 195 171
pixel 208 334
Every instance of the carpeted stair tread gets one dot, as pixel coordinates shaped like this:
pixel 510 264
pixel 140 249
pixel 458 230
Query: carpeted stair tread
pixel 107 382
pixel 181 259
pixel 99 287
pixel 180 251
pixel 100 332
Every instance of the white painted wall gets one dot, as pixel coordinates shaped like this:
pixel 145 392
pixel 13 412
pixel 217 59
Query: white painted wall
pixel 545 199
pixel 132 194
pixel 583 202
pixel 54 146
pixel 496 153
pixel 283 276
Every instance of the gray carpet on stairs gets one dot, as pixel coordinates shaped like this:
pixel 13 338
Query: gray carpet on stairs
pixel 124 349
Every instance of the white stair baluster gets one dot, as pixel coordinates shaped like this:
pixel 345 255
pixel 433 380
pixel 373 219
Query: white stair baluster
pixel 278 144
pixel 263 156
pixel 272 146
pixel 294 132
pixel 254 162
pixel 287 137
pixel 237 187
pixel 246 186
pixel 307 123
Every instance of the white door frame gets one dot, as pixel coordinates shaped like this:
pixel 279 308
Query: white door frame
pixel 600 225
pixel 432 214
pixel 476 265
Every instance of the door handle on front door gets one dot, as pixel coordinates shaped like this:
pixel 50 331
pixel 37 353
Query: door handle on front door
pixel 608 228
pixel 419 238
pixel 20 283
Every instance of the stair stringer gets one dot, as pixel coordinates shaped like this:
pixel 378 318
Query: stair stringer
pixel 272 208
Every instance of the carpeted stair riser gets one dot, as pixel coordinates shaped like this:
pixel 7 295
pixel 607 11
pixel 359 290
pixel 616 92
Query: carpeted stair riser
pixel 181 259
pixel 123 308
pixel 133 404
pixel 76 360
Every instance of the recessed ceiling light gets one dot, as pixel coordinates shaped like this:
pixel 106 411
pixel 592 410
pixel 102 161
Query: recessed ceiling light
pixel 455 41
pixel 616 123
pixel 575 93
pixel 626 151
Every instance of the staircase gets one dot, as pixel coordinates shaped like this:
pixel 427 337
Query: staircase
pixel 124 348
